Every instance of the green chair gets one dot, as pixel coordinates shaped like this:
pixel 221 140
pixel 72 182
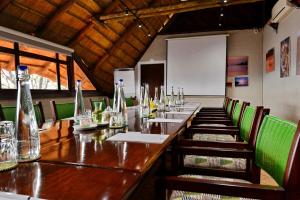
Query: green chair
pixel 277 151
pixel 216 137
pixel 9 113
pixel 129 102
pixel 61 110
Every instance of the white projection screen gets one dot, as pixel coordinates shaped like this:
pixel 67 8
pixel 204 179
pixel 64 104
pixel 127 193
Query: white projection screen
pixel 197 64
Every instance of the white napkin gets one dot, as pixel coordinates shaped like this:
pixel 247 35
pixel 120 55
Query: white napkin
pixel 165 120
pixel 139 137
pixel 179 113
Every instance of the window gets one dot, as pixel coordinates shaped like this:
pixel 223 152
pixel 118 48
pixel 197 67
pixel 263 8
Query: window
pixel 43 75
pixel 63 77
pixel 8 73
pixel 80 75
pixel 48 70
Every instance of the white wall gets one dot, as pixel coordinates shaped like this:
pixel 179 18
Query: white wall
pixel 247 43
pixel 251 45
pixel 282 95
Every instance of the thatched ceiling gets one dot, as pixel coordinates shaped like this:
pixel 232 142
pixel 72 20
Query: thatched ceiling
pixel 99 30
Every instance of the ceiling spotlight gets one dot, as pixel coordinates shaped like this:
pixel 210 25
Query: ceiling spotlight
pixel 225 1
pixel 149 35
pixel 220 24
pixel 140 25
pixel 126 12
pixel 221 14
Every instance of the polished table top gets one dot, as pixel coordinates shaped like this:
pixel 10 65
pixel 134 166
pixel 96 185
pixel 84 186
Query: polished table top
pixel 84 164
pixel 91 149
pixel 52 181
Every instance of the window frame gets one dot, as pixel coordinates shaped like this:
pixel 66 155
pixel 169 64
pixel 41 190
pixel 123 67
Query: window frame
pixel 69 62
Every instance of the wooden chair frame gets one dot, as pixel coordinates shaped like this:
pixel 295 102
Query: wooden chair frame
pixel 38 103
pixel 215 118
pixel 222 149
pixel 216 109
pixel 289 191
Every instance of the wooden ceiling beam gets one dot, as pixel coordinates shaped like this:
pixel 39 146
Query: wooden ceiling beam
pixel 54 17
pixel 4 4
pixel 171 9
pixel 28 9
pixel 92 22
pixel 116 45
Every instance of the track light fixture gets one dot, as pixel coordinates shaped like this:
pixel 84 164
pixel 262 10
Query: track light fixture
pixel 140 23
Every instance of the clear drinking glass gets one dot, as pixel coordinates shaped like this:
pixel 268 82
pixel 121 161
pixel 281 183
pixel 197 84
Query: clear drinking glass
pixel 97 113
pixel 8 146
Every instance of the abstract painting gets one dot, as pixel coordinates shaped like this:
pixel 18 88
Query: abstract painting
pixel 241 81
pixel 285 58
pixel 270 61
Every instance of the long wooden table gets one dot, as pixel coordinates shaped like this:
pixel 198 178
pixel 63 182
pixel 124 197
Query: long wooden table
pixel 84 165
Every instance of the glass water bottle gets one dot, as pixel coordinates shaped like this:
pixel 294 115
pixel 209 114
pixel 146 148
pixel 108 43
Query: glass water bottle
pixel 116 120
pixel 141 100
pixel 27 132
pixel 156 100
pixel 162 105
pixel 146 103
pixel 178 98
pixel 122 102
pixel 79 103
pixel 172 100
pixel 182 97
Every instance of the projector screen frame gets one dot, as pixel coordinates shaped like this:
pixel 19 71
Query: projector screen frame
pixel 197 36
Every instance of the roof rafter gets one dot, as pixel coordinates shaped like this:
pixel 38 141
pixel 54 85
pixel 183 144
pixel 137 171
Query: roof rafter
pixel 4 4
pixel 54 17
pixel 170 9
pixel 92 22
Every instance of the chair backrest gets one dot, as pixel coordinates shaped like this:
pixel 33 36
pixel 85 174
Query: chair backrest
pixel 277 151
pixel 39 113
pixel 226 102
pixel 94 101
pixel 9 113
pixel 250 123
pixel 62 110
pixel 230 113
pixel 129 102
pixel 229 106
pixel 238 113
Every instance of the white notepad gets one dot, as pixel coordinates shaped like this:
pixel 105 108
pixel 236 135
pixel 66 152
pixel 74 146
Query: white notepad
pixel 139 137
pixel 165 120
pixel 179 113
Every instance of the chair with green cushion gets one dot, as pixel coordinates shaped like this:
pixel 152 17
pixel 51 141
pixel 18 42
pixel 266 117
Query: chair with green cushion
pixel 9 113
pixel 215 162
pixel 200 116
pixel 216 109
pixel 129 102
pixel 102 100
pixel 61 110
pixel 208 110
pixel 277 151
pixel 234 117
